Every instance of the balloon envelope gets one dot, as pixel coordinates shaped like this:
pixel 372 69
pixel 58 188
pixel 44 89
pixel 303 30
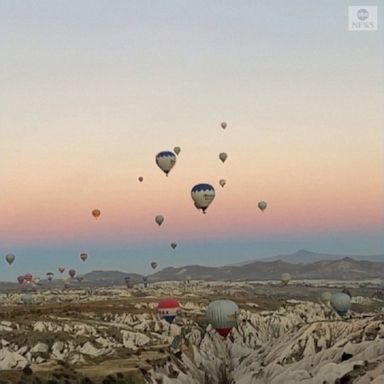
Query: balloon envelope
pixel 154 265
pixel 166 160
pixel 285 278
pixel 341 302
pixel 10 258
pixel 262 205
pixel 96 213
pixel 168 309
pixel 49 276
pixel 72 273
pixel 141 179
pixel 223 156
pixel 173 245
pixel 83 256
pixel 223 125
pixel 177 150
pixel 61 269
pixel 222 182
pixel 20 279
pixel 202 195
pixel 222 315
pixel 159 219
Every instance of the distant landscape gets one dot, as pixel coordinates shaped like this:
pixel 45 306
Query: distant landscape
pixel 301 265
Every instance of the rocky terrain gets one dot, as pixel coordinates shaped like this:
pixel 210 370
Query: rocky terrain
pixel 114 335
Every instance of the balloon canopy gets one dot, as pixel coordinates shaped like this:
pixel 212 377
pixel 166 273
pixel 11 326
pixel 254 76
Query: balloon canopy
pixel 72 273
pixel 168 309
pixel 96 213
pixel 166 160
pixel 10 258
pixel 222 315
pixel 262 205
pixel 341 302
pixel 154 265
pixel 285 278
pixel 159 219
pixel 202 195
pixel 223 156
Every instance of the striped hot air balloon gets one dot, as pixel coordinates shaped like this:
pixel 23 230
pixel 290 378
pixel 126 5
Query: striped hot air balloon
pixel 222 315
pixel 168 309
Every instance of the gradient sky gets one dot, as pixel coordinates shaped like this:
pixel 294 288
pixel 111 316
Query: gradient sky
pixel 92 90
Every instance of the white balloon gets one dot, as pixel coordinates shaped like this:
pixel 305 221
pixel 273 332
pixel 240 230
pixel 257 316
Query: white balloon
pixel 222 315
pixel 203 195
pixel 285 278
pixel 166 161
pixel 341 302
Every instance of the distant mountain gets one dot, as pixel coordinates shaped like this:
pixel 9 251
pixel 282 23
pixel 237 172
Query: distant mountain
pixel 111 277
pixel 342 269
pixel 307 257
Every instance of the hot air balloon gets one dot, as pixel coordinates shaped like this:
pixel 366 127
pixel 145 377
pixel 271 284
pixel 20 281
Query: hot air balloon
pixel 96 213
pixel 49 276
pixel 262 205
pixel 79 278
pixel 222 315
pixel 177 150
pixel 222 182
pixel 168 309
pixel 159 219
pixel 173 245
pixel 20 279
pixel 36 280
pixel 154 265
pixel 325 297
pixel 10 258
pixel 223 125
pixel 165 161
pixel 28 278
pixel 223 156
pixel 141 179
pixel 202 195
pixel 72 273
pixel 83 256
pixel 285 278
pixel 145 281
pixel 61 269
pixel 341 302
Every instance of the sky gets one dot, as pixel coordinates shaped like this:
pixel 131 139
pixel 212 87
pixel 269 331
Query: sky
pixel 91 91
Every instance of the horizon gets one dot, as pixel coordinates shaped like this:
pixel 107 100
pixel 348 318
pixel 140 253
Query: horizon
pixel 91 93
pixel 276 257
